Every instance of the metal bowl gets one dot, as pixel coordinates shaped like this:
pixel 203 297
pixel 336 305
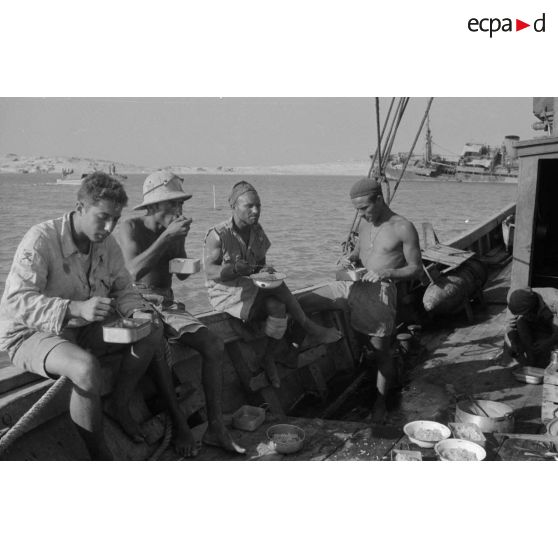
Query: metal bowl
pixel 268 280
pixel 287 438
pixel 500 416
pixel 412 428
pixel 442 447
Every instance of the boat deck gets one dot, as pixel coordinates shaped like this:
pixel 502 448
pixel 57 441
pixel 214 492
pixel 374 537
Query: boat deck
pixel 467 356
pixel 462 354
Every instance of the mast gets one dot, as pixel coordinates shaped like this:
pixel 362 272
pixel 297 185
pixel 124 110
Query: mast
pixel 428 143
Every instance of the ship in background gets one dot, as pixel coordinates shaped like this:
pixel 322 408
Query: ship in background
pixel 478 162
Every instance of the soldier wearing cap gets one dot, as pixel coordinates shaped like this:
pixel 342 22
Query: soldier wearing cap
pixel 237 248
pixel 532 328
pixel 388 248
pixel 149 242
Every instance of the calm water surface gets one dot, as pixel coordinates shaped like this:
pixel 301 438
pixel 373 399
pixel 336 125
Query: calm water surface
pixel 305 217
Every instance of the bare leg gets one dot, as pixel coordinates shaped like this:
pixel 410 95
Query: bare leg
pixel 316 333
pixel 386 375
pixel 184 441
pixel 84 371
pixel 134 364
pixel 212 351
pixel 275 309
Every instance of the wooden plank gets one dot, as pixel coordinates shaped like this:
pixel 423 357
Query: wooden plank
pixel 55 440
pixel 371 443
pixel 467 239
pixel 245 374
pixel 446 255
pixel 12 377
pixel 319 381
pixel 323 438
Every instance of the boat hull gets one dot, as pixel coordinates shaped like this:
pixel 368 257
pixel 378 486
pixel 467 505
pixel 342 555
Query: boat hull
pixel 462 176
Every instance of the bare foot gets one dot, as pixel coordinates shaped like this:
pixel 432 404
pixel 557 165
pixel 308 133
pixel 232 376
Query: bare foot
pixel 318 335
pixel 217 435
pixel 121 414
pixel 185 444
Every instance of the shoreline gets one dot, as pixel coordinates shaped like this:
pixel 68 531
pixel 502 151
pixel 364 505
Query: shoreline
pixel 16 164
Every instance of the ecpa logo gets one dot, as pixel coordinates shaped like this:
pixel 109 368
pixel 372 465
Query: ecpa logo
pixel 494 24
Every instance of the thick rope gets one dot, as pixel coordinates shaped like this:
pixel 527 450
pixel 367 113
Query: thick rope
pixel 20 427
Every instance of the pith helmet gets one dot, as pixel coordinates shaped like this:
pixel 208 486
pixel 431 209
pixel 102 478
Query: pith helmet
pixel 162 186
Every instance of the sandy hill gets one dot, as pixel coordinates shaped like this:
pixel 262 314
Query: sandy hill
pixel 14 163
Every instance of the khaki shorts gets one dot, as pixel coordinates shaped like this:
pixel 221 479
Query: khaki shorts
pixel 372 306
pixel 32 353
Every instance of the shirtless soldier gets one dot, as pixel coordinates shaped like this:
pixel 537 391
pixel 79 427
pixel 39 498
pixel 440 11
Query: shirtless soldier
pixel 388 247
pixel 148 243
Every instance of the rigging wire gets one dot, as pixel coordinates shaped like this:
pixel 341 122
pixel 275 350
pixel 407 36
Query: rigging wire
pixel 381 137
pixel 412 148
pixel 379 144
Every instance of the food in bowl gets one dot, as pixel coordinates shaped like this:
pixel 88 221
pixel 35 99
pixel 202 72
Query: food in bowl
pixel 406 455
pixel 428 435
pixel 287 438
pixel 468 431
pixel 455 449
pixel 425 433
pixel 458 454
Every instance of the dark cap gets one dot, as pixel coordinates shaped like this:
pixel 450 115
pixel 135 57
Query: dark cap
pixel 522 301
pixel 365 187
pixel 238 190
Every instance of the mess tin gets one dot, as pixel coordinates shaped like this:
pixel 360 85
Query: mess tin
pixel 350 274
pixel 248 418
pixel 184 265
pixel 126 330
pixel 529 374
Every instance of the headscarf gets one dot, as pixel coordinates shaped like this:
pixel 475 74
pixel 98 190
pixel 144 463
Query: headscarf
pixel 365 187
pixel 238 189
pixel 522 301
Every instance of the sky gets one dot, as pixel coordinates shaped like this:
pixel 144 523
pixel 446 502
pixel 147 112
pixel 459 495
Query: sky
pixel 244 131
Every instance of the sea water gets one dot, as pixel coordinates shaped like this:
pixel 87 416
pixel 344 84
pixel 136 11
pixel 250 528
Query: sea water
pixel 305 217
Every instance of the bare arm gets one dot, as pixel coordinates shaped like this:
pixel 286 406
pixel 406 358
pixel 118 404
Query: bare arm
pixel 411 252
pixel 352 258
pixel 140 262
pixel 213 262
pixel 216 269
